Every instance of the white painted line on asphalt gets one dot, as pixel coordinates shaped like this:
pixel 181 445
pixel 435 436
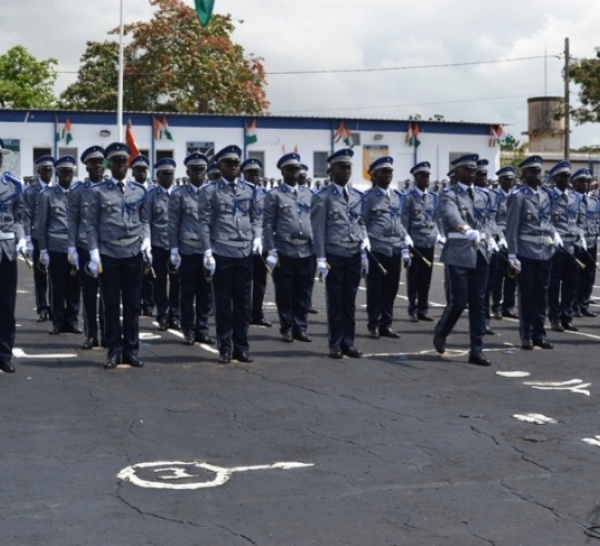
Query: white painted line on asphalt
pixel 180 335
pixel 450 353
pixel 535 418
pixel 574 385
pixel 178 470
pixel 148 336
pixel 20 353
pixel 22 291
pixel 515 373
pixel 592 441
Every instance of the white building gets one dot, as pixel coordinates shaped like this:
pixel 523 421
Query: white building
pixel 28 135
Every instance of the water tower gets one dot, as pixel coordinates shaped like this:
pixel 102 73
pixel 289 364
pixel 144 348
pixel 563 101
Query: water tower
pixel 546 125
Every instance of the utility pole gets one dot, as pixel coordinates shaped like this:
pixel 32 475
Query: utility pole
pixel 567 103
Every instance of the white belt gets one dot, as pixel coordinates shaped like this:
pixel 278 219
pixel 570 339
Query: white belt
pixel 7 236
pixel 456 235
pixel 540 239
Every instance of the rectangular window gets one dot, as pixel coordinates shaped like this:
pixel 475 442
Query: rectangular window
pixel 161 154
pixel 355 138
pixel 320 164
pixel 257 155
pixel 68 151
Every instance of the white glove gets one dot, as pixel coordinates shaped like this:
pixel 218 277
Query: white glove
pixel 473 235
pixel 515 264
pixel 209 262
pixel 272 259
pixel 557 241
pixel 29 251
pixel 408 241
pixel 440 240
pixel 366 245
pixel 257 246
pixel 73 256
pixel 21 247
pixel 322 267
pixel 95 264
pixel 44 258
pixel 406 260
pixel 146 249
pixel 364 263
pixel 582 242
pixel 175 258
pixel 502 243
pixel 492 246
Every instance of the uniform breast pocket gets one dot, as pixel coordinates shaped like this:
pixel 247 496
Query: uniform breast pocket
pixel 334 215
pixel 464 211
pixel 109 207
pixel 285 209
pixel 158 210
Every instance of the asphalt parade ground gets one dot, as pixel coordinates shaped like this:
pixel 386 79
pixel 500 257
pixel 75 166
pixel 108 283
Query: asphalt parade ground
pixel 401 447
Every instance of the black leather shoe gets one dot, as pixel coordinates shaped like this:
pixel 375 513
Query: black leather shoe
pixel 479 359
pixel 312 310
pixel 527 345
pixel 163 325
pixel 205 338
pixel 243 356
pixel 439 342
pixel 262 322
pixel 148 312
pixel 7 367
pixel 111 363
pixel 388 332
pixel 352 352
pixel 374 333
pixel 587 313
pixel 174 325
pixel 414 318
pixel 336 354
pixel 189 338
pixel 557 327
pixel 425 318
pixel 577 314
pixel 569 327
pixel 497 315
pixel 72 329
pixel 489 331
pixel 510 314
pixel 133 361
pixel 224 358
pixel 302 336
pixel 544 344
pixel 55 331
pixel 287 337
pixel 89 343
pixel 42 316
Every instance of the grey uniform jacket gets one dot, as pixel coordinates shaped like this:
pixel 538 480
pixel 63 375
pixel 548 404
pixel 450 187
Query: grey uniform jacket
pixel 229 221
pixel 11 215
pixel 156 211
pixel 501 200
pixel 565 216
pixel 590 218
pixel 457 210
pixel 529 232
pixel 184 220
pixel 52 229
pixel 338 227
pixel 80 195
pixel 382 217
pixel 31 202
pixel 116 224
pixel 286 221
pixel 419 217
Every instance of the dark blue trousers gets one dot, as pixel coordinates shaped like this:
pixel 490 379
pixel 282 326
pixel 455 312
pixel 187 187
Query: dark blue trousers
pixel 259 287
pixel 382 289
pixel 195 294
pixel 8 299
pixel 166 299
pixel 293 278
pixel 533 282
pixel 40 281
pixel 92 309
pixel 65 292
pixel 418 282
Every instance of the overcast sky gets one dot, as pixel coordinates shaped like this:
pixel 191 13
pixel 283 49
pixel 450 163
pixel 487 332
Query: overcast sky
pixel 326 35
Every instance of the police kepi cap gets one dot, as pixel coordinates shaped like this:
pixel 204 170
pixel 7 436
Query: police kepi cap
pixel 482 165
pixel 422 167
pixel 303 168
pixel 166 164
pixel 66 162
pixel 468 161
pixel 117 149
pixel 289 159
pixel 140 161
pixel 561 167
pixel 343 156
pixel 252 163
pixel 229 152
pixel 533 161
pixel 385 162
pixel 581 173
pixel 212 168
pixel 196 159
pixel 45 161
pixel 506 171
pixel 93 152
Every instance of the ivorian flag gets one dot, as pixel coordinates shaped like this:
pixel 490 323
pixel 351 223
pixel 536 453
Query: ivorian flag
pixel 65 133
pixel 250 134
pixel 412 135
pixel 131 142
pixel 497 135
pixel 204 9
pixel 166 132
pixel 340 133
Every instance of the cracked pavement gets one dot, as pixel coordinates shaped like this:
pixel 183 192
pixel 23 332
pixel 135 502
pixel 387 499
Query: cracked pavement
pixel 408 449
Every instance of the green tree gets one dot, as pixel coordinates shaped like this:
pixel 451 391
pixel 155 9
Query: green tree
pixel 586 74
pixel 26 82
pixel 172 63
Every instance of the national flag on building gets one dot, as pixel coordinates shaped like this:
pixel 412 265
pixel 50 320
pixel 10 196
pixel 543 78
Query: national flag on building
pixel 250 136
pixel 65 133
pixel 131 142
pixel 412 135
pixel 343 133
pixel 161 129
pixel 166 132
pixel 204 8
pixel 497 135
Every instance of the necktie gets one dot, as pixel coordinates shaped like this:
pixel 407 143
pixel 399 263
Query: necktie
pixel 233 187
pixel 471 193
pixel 345 193
pixel 121 186
pixel 584 199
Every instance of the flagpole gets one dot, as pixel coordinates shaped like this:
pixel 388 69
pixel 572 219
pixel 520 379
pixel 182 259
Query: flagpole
pixel 120 88
pixel 244 129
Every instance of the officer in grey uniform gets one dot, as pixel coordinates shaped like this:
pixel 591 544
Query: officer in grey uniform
pixel 80 195
pixel 230 231
pixel 463 213
pixel 251 169
pixel 53 237
pixel 381 213
pixel 119 242
pixel 565 216
pixel 505 283
pixel 212 171
pixel 590 218
pixel 157 215
pixel 187 254
pixel 287 234
pixel 303 180
pixel 531 239
pixel 339 235
pixel 419 212
pixel 31 201
pixel 12 242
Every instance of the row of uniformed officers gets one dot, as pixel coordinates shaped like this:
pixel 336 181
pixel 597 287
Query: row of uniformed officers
pixel 103 233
